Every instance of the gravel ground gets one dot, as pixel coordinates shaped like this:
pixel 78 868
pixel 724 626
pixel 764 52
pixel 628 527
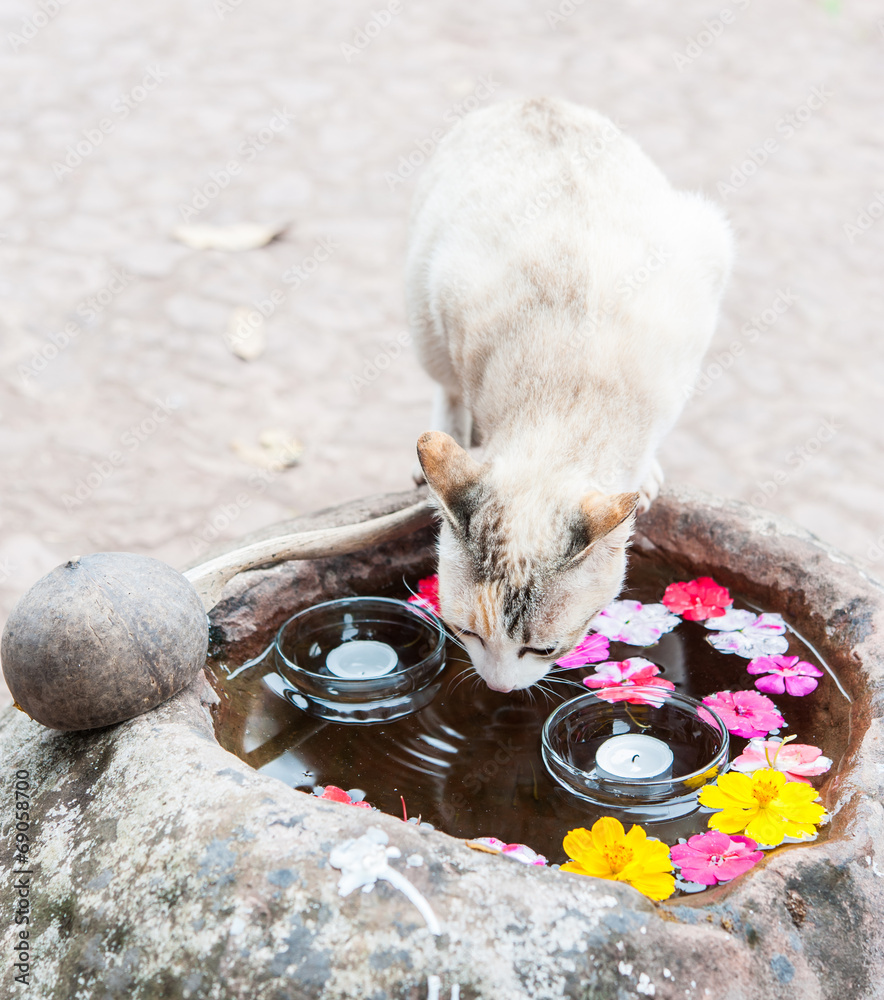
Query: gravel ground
pixel 126 422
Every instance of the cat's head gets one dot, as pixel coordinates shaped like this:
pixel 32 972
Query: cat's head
pixel 521 572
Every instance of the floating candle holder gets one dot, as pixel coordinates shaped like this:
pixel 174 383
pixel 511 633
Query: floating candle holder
pixel 646 758
pixel 359 659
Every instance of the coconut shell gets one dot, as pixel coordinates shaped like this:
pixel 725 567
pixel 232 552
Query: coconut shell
pixel 103 638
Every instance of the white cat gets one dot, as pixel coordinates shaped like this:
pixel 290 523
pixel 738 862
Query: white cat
pixel 562 295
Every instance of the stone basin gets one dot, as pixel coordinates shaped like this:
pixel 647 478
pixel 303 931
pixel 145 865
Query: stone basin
pixel 164 866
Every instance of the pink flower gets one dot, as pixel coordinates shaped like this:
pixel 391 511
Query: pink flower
pixel 427 595
pixel 715 857
pixel 634 623
pixel 518 852
pixel 334 794
pixel 745 713
pixel 697 599
pixel 618 681
pixel 797 761
pixel 590 649
pixel 785 674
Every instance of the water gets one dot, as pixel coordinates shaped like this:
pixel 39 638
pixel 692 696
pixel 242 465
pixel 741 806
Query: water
pixel 470 761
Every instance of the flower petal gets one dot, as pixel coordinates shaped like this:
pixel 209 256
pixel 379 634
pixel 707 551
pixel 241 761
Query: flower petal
pixel 772 684
pixel 746 843
pixel 608 833
pixel 578 842
pixel 731 620
pixel 793 794
pixel 733 867
pixel 732 790
pixel 710 843
pixel 730 821
pixel 652 857
pixel 655 886
pixel 591 649
pixel 577 869
pixel 767 828
pixel 747 644
pixel 703 874
pixel 335 794
pixel 799 686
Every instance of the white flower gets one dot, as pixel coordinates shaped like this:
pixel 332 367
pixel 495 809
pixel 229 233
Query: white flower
pixel 748 635
pixel 634 623
pixel 731 620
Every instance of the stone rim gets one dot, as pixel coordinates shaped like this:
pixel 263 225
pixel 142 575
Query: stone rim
pixel 198 827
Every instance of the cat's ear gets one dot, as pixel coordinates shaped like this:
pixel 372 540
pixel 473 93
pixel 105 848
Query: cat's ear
pixel 600 515
pixel 452 475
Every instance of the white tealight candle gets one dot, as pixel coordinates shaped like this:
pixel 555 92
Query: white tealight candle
pixel 633 756
pixel 362 659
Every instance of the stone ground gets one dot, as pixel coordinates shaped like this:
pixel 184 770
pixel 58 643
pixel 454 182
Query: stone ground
pixel 122 438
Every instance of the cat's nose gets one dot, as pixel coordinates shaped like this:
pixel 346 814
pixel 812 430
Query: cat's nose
pixel 502 688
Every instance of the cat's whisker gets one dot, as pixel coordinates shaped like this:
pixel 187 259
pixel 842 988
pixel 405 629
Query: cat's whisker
pixel 449 635
pixel 547 694
pixel 437 621
pixel 563 680
pixel 462 675
pixel 466 666
pixel 443 628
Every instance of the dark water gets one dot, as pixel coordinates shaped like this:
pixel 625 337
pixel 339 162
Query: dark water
pixel 470 761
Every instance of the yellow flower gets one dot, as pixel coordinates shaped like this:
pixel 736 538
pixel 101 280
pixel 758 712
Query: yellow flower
pixel 607 852
pixel 765 805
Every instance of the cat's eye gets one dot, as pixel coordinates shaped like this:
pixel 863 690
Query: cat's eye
pixel 472 635
pixel 549 651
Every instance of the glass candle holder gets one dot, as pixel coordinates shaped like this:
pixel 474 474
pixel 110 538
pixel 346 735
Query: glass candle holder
pixel 647 757
pixel 359 659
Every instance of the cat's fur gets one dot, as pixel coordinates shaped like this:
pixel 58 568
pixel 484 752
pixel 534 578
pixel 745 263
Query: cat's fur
pixel 562 295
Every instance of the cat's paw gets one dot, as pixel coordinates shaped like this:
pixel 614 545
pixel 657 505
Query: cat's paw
pixel 650 488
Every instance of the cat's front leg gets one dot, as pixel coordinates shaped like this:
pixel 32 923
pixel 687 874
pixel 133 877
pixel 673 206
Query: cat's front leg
pixel 650 488
pixel 450 415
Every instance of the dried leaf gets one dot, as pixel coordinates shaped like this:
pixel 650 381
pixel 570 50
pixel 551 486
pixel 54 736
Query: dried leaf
pixel 237 236
pixel 477 845
pixel 245 334
pixel 276 450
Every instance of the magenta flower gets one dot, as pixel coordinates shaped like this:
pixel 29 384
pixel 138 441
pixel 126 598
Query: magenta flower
pixel 591 649
pixel 715 857
pixel 634 623
pixel 797 761
pixel 427 595
pixel 745 713
pixel 618 681
pixel 697 599
pixel 784 674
